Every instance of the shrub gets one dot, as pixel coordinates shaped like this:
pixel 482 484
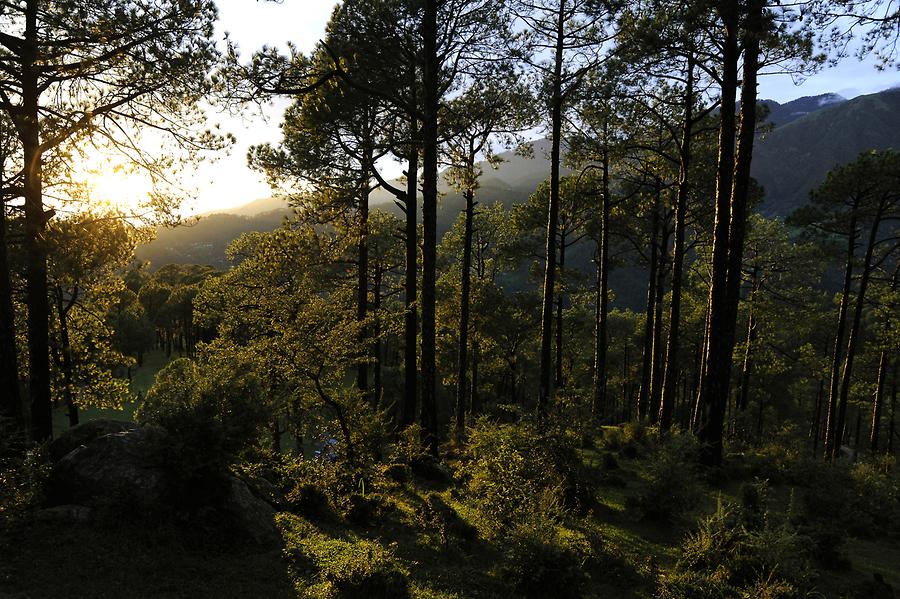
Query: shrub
pixel 210 415
pixel 512 471
pixel 323 567
pixel 541 560
pixel 23 474
pixel 436 515
pixel 738 553
pixel 670 485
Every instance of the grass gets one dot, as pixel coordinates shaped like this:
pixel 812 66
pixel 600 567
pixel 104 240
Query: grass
pixel 71 560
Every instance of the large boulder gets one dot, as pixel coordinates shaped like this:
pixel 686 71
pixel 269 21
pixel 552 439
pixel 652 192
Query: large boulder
pixel 133 470
pixel 84 433
pixel 123 468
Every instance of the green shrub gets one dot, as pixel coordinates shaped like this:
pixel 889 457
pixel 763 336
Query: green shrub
pixel 23 474
pixel 738 553
pixel 512 471
pixel 542 560
pixel 327 568
pixel 437 516
pixel 670 484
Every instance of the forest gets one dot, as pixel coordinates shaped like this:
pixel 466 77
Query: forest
pixel 530 327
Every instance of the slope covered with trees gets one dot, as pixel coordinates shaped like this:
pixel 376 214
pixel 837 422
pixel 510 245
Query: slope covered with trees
pixel 593 366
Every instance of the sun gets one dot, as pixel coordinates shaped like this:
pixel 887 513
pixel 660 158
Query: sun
pixel 112 184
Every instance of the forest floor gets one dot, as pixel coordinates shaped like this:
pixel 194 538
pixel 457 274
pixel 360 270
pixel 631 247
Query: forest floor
pixel 125 560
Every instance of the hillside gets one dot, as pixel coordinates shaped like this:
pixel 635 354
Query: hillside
pixel 811 135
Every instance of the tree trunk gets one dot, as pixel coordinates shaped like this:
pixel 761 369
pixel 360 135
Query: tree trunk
pixel 876 407
pixel 560 299
pixel 11 404
pixel 378 383
pixel 35 250
pixel 429 223
pixel 890 449
pixel 362 287
pixel 854 333
pixel 647 359
pixel 62 311
pixel 670 380
pixel 882 374
pixel 656 369
pixel 747 368
pixel 410 324
pixel 834 382
pixel 717 366
pixel 601 343
pixel 552 217
pixel 463 349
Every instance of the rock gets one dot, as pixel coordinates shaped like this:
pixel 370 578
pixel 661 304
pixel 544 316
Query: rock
pixel 84 433
pixel 65 513
pixel 266 491
pixel 122 468
pixel 134 471
pixel 250 516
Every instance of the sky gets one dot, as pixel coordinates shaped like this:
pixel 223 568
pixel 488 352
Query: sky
pixel 228 182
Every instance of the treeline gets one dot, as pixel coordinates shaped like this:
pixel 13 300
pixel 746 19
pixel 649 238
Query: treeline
pixel 741 336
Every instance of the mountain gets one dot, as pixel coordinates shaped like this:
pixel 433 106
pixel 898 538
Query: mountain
pixel 809 137
pixel 782 114
pixel 794 158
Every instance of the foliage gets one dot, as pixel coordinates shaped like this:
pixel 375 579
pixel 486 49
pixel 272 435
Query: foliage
pixel 513 471
pixel 337 568
pixel 670 487
pixel 740 551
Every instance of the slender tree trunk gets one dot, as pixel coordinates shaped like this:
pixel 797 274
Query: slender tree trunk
pixel 670 381
pixel 11 404
pixel 717 365
pixel 475 402
pixel 854 333
pixel 462 371
pixel 559 381
pixel 647 359
pixel 552 218
pixel 890 448
pixel 378 383
pixel 66 358
pixel 836 360
pixel 362 283
pixel 656 369
pixel 429 223
pixel 817 416
pixel 747 368
pixel 601 343
pixel 876 406
pixel 411 318
pixel 882 374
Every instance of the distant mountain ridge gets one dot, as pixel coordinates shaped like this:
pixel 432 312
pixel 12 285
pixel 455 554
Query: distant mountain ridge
pixel 810 136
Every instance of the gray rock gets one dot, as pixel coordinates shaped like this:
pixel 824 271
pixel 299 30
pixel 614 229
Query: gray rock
pixel 84 433
pixel 123 468
pixel 251 516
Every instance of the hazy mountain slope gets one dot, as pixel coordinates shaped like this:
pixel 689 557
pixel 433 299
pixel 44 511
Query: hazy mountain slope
pixel 794 158
pixel 782 114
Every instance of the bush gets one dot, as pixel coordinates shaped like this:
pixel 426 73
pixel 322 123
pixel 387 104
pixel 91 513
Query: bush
pixel 512 471
pixel 436 515
pixel 210 415
pixel 323 567
pixel 670 485
pixel 541 560
pixel 740 552
pixel 23 474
